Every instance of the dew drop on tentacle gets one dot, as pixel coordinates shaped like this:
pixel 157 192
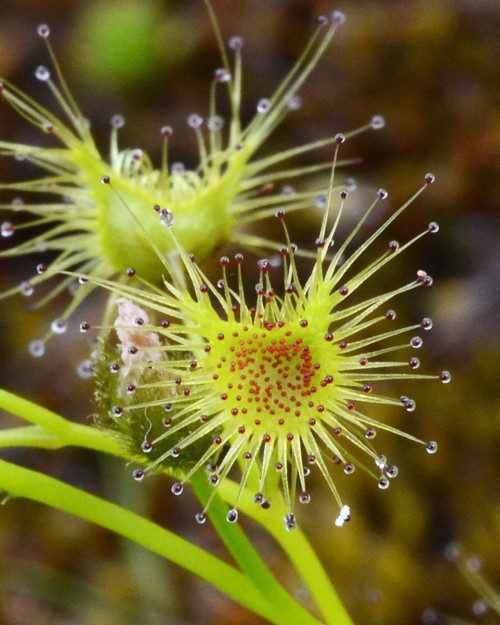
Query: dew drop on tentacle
pixel 138 475
pixel 178 169
pixel 177 488
pixel 452 552
pixel 201 518
pixel 287 189
pixel 350 184
pixel 166 217
pixel 290 522
pixel 43 31
pixel 232 516
pixel 235 42
pixel 7 229
pixel 383 483
pixel 480 607
pixel 195 121
pixel 117 121
pixel 445 377
pixel 215 123
pixel 321 201
pixel 27 289
pixel 344 515
pixel 221 74
pixel 59 326
pixel 410 405
pixel 431 616
pixel 294 103
pixel 416 342
pixel 392 471
pixel 263 105
pixel 431 447
pixel 377 122
pixel 338 17
pixel 426 323
pixel 36 349
pixel 147 447
pixel 85 369
pixel 42 73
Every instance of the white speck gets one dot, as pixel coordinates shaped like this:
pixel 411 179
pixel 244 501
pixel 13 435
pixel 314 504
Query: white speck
pixel 345 515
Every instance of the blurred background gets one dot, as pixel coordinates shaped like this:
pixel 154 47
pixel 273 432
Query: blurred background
pixel 431 69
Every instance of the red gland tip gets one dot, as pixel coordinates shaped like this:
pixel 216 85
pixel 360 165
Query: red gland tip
pixel 106 180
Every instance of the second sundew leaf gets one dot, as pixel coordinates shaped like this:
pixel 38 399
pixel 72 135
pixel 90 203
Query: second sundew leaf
pixel 88 230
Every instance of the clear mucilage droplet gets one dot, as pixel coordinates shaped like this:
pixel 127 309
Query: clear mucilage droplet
pixel 166 217
pixel 36 349
pixel 7 229
pixel 42 73
pixel 59 326
pixel 263 105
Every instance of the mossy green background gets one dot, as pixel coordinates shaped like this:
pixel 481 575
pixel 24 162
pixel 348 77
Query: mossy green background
pixel 431 68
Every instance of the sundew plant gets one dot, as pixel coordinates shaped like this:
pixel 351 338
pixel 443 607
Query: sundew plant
pixel 229 189
pixel 276 386
pixel 245 393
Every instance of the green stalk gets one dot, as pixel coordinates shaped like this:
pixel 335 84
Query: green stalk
pixel 249 560
pixel 294 543
pixel 53 430
pixel 298 549
pixel 21 482
pixel 38 415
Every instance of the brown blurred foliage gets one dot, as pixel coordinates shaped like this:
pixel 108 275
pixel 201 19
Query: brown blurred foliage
pixel 431 68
